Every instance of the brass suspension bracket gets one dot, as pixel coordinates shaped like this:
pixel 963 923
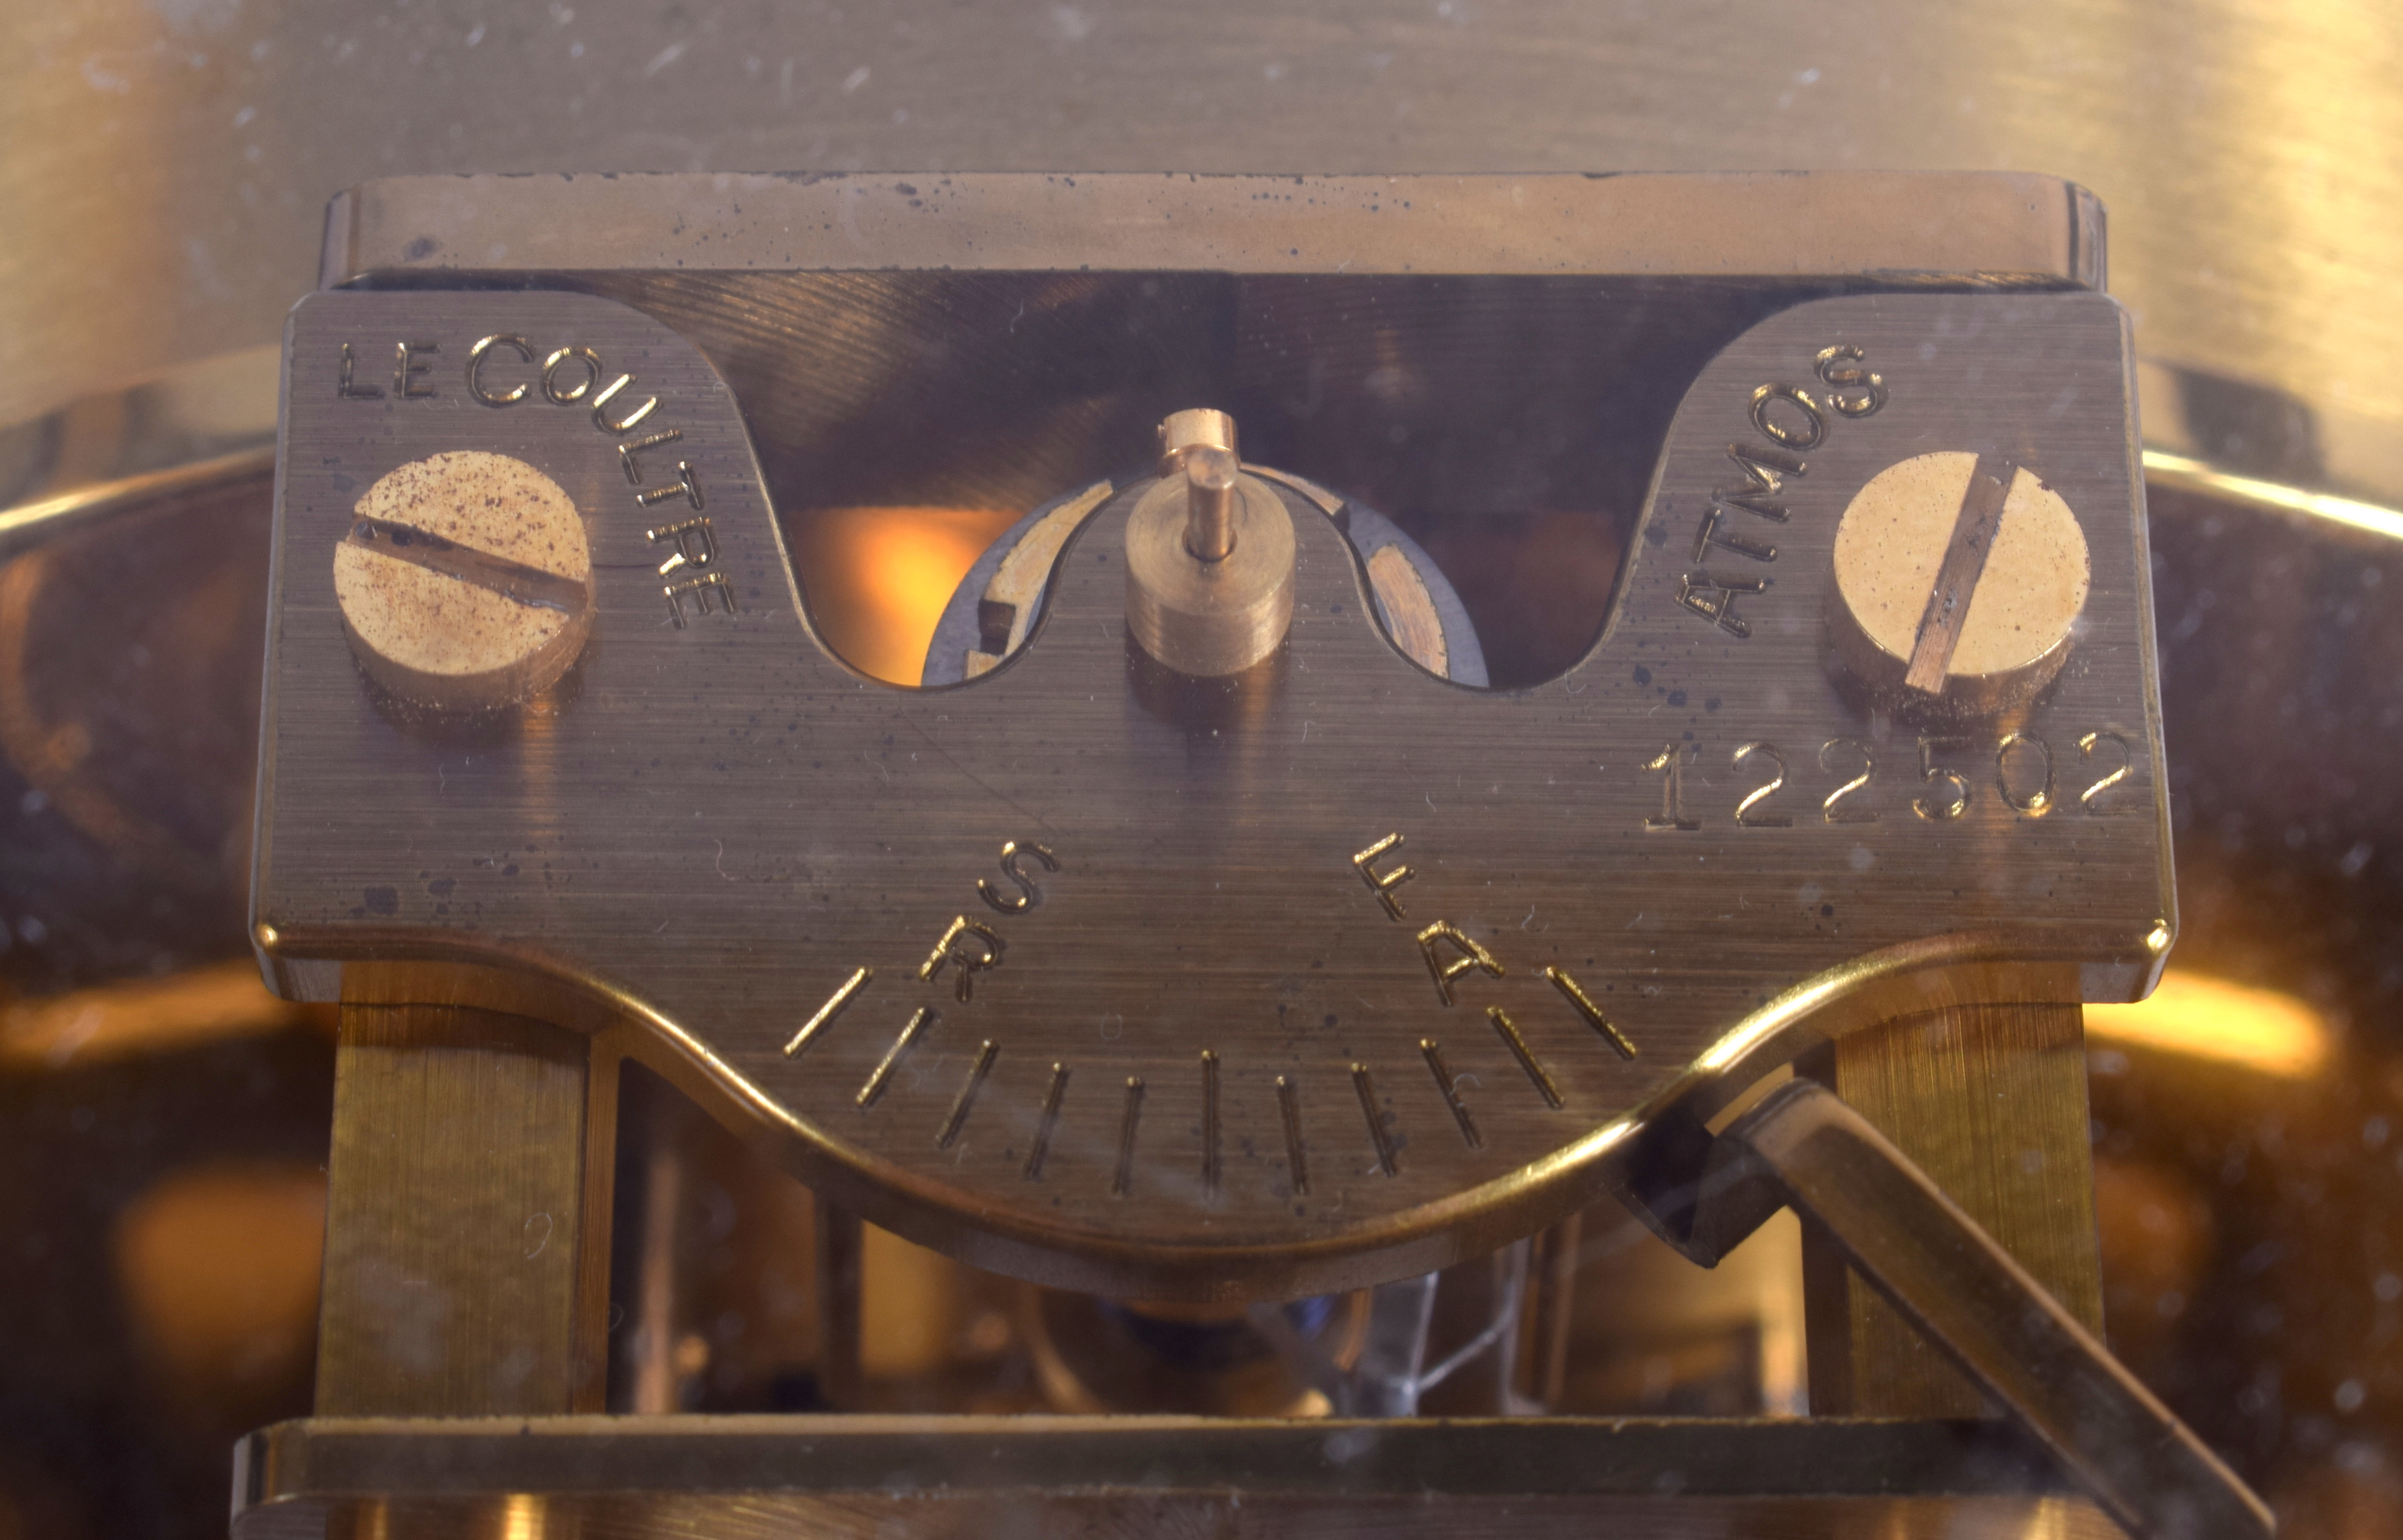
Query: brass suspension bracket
pixel 1342 975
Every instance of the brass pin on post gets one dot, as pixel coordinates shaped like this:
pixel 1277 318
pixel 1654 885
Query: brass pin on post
pixel 1210 554
pixel 1210 503
pixel 1200 443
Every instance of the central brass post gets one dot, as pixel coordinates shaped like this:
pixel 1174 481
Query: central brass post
pixel 1210 503
pixel 1210 554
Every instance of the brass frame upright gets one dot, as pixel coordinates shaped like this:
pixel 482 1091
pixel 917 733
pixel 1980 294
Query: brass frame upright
pixel 468 1218
pixel 1990 1101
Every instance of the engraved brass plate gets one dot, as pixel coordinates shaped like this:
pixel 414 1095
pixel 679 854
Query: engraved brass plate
pixel 1338 973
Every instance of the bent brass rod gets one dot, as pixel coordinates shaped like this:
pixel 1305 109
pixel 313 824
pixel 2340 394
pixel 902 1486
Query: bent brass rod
pixel 1986 1313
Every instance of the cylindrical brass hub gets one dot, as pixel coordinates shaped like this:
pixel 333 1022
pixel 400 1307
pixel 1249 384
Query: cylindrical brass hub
pixel 1209 618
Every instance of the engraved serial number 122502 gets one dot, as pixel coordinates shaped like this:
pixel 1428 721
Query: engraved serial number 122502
pixel 2022 776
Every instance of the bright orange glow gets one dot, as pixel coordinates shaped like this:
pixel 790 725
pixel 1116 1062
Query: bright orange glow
pixel 143 1016
pixel 2213 1019
pixel 878 578
pixel 218 1265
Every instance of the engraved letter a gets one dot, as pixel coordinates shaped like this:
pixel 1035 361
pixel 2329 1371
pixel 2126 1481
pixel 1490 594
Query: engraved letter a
pixel 1470 955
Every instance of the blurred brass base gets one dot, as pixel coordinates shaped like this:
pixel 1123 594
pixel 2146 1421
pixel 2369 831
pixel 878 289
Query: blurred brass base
pixel 901 1478
pixel 1091 1356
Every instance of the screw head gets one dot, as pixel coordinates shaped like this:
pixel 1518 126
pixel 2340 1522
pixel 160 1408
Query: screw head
pixel 1959 582
pixel 465 581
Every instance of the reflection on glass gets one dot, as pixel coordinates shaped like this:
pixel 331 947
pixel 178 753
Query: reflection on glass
pixel 2193 1013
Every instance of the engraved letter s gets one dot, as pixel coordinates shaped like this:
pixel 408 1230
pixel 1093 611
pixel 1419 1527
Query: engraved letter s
pixel 1029 895
pixel 1839 368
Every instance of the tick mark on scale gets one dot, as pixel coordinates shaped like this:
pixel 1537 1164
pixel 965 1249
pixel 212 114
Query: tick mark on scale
pixel 1537 1073
pixel 1584 1005
pixel 986 1053
pixel 1209 1124
pixel 1050 1120
pixel 843 997
pixel 1367 1088
pixel 882 1075
pixel 1289 1111
pixel 1451 1090
pixel 1127 1122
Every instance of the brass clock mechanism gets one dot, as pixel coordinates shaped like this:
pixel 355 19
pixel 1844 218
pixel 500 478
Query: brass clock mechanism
pixel 1214 920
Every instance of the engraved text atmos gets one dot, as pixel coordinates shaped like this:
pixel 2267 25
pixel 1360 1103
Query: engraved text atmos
pixel 1790 421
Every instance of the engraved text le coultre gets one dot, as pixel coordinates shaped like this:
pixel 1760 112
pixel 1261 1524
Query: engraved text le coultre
pixel 574 376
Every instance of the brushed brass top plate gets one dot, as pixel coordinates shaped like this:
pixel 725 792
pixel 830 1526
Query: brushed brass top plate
pixel 1193 1033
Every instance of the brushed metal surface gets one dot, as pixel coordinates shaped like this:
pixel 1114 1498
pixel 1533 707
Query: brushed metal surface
pixel 176 159
pixel 712 826
pixel 1732 225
